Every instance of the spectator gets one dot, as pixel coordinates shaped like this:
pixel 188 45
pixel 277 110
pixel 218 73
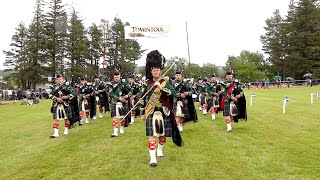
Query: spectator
pixel 5 97
pixel 267 83
pixel 14 94
pixel 279 83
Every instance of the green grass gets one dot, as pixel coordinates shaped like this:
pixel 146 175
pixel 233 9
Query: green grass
pixel 270 145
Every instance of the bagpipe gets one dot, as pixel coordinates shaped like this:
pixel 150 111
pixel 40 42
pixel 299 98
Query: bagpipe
pixel 163 81
pixel 86 98
pixel 88 91
pixel 181 102
pixel 239 108
pixel 134 98
pixel 61 91
pixel 182 88
pixel 101 86
pixel 125 91
pixel 120 89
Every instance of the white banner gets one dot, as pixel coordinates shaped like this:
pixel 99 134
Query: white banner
pixel 136 32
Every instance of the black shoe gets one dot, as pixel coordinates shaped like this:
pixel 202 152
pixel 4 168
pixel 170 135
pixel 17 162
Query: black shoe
pixel 153 164
pixel 53 136
pixel 113 135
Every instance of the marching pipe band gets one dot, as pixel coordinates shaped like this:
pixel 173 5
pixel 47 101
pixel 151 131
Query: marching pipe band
pixel 164 104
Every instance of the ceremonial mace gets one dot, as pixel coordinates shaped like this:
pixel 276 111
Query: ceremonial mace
pixel 162 76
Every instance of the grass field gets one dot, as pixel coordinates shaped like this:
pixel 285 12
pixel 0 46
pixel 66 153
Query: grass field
pixel 270 145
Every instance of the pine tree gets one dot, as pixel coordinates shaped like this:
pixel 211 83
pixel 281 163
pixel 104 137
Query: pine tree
pixel 33 68
pixel 96 43
pixel 16 57
pixel 122 52
pixel 275 42
pixel 303 39
pixel 56 34
pixel 78 48
pixel 117 44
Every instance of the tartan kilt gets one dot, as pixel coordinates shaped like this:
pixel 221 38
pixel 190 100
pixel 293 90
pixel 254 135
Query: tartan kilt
pixel 137 108
pixel 185 109
pixel 75 114
pixel 127 108
pixel 135 101
pixel 203 100
pixel 210 103
pixel 93 106
pixel 101 100
pixel 67 109
pixel 167 124
pixel 80 104
pixel 226 109
pixel 123 113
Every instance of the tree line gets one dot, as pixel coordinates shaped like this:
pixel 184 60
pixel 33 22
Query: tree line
pixel 57 42
pixel 292 43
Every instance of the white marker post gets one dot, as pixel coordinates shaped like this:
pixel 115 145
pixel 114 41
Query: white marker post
pixel 285 100
pixel 251 98
pixel 311 98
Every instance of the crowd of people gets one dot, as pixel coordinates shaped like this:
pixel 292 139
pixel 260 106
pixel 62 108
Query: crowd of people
pixel 18 94
pixel 165 104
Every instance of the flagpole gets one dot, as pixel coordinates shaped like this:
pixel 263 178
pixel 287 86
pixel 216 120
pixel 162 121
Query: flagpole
pixel 188 45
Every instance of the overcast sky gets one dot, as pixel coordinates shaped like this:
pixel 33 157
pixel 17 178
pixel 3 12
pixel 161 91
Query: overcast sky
pixel 217 28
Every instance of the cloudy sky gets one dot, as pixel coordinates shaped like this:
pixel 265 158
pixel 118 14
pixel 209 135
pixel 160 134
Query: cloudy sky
pixel 216 28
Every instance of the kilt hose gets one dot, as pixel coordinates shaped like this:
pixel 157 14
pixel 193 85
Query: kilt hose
pixel 167 124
